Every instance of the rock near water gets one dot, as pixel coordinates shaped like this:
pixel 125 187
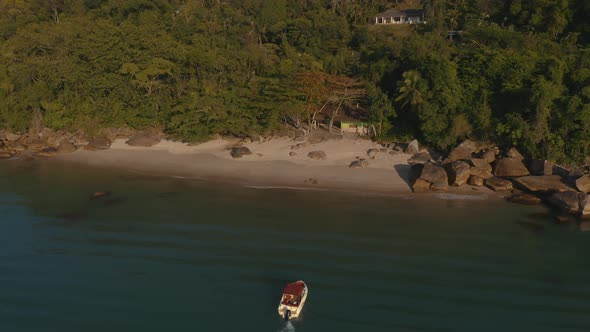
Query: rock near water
pixel 317 155
pixel 143 140
pixel 583 184
pixel 462 151
pixel 428 176
pixel 545 183
pixel 510 167
pixel 497 184
pixel 458 173
pixel 239 152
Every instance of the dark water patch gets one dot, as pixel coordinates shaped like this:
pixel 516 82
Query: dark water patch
pixel 531 226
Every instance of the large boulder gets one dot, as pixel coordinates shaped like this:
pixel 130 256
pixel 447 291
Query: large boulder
pixel 481 164
pixel 514 154
pixel 510 167
pixel 585 207
pixel 36 146
pixel 317 155
pixel 462 151
pixel 143 140
pixel 66 147
pixel 420 158
pixel 98 143
pixel 583 184
pixel 413 147
pixel 540 167
pixel 458 173
pixel 239 152
pixel 430 173
pixel 545 183
pixel 498 184
pixel 568 201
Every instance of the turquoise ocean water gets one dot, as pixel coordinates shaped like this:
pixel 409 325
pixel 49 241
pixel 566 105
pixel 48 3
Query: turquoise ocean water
pixel 171 254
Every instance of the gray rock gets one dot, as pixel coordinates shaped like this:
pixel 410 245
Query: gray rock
pixel 498 184
pixel 142 140
pixel 361 163
pixel 420 158
pixel 510 167
pixel 317 155
pixel 433 174
pixel 583 184
pixel 240 151
pixel 373 152
pixel 462 151
pixel 489 156
pixel 540 167
pixel 413 147
pixel 99 143
pixel 292 153
pixel 476 181
pixel 544 183
pixel 514 154
pixel 398 148
pixel 48 152
pixel 458 173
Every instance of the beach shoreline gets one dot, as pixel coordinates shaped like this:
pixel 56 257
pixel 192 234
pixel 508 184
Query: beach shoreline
pixel 270 166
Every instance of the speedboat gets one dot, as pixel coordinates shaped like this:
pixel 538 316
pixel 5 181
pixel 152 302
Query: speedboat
pixel 293 299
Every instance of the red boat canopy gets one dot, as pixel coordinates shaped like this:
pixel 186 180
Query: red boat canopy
pixel 295 289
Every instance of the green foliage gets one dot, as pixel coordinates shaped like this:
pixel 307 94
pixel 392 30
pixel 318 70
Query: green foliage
pixel 519 74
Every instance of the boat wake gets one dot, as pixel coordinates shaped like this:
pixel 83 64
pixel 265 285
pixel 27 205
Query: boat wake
pixel 287 328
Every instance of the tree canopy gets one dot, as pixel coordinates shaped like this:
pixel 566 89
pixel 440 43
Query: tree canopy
pixel 517 73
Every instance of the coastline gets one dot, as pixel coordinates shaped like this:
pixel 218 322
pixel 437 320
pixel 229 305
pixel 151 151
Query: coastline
pixel 271 166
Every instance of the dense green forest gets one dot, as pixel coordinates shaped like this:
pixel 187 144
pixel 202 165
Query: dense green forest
pixel 518 74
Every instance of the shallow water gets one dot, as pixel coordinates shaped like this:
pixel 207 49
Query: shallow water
pixel 171 254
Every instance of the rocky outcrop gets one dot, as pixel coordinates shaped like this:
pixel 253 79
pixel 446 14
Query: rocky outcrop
pixel 526 199
pixel 420 158
pixel 545 183
pixel 99 143
pixel 239 152
pixel 514 154
pixel 317 155
pixel 361 163
pixel 458 173
pixel 462 151
pixel 540 167
pixel 510 167
pixel 143 140
pixel 583 184
pixel 413 147
pixel 428 177
pixel 497 184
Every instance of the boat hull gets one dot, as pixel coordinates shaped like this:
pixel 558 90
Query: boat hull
pixel 295 310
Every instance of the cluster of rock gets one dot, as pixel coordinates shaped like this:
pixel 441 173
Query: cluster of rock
pixel 49 143
pixel 468 164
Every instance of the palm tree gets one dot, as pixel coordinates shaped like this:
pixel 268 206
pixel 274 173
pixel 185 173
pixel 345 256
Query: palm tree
pixel 409 92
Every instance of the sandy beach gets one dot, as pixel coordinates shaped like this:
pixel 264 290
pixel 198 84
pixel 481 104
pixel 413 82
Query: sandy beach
pixel 269 166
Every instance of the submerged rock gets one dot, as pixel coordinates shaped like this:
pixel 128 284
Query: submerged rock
pixel 569 201
pixel 510 167
pixel 525 199
pixel 546 183
pixel 497 184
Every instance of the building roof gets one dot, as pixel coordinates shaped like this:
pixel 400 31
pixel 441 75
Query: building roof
pixel 398 13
